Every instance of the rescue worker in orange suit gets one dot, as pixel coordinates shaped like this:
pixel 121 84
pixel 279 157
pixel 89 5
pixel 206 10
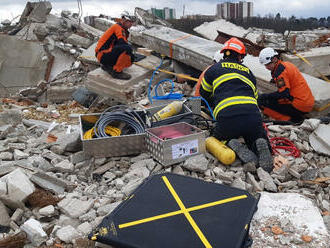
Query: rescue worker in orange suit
pixel 113 50
pixel 231 87
pixel 293 98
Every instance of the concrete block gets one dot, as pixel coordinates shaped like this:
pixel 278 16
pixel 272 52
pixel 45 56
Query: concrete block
pixel 5 130
pixel 67 234
pixel 78 40
pixel 6 156
pixel 103 24
pixel 34 231
pixel 320 139
pixel 75 207
pixel 47 211
pixel 85 228
pixel 103 84
pixel 4 216
pixel 23 69
pixel 10 117
pixel 3 188
pixel 59 94
pixel 64 166
pixel 70 142
pixel 299 212
pixel 20 155
pixel 19 185
pixel 48 182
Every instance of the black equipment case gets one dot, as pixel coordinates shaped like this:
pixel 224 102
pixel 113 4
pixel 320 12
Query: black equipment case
pixel 174 211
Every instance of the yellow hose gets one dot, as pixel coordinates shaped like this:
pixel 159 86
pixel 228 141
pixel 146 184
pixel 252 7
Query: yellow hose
pixel 113 131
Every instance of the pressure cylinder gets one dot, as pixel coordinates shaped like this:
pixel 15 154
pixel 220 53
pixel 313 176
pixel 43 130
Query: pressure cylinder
pixel 168 111
pixel 219 150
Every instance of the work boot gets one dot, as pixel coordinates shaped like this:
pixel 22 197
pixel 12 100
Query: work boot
pixel 121 75
pixel 242 151
pixel 265 157
pixel 115 74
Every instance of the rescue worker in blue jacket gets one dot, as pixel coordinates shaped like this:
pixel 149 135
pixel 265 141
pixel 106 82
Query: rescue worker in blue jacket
pixel 231 87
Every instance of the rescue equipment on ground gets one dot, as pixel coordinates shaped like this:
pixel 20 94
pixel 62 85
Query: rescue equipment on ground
pixel 169 210
pixel 219 150
pixel 171 144
pixel 171 109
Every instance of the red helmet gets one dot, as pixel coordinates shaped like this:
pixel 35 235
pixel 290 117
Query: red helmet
pixel 235 45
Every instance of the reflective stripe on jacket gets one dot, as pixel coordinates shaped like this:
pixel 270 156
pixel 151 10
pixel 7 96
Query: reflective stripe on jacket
pixel 232 87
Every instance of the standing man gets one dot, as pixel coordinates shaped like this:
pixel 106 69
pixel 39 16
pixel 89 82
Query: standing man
pixel 293 98
pixel 113 51
pixel 231 87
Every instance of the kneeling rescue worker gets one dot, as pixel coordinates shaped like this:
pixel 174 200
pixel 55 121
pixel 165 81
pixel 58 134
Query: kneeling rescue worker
pixel 113 51
pixel 231 87
pixel 293 98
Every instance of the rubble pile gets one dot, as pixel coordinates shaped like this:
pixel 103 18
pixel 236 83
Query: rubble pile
pixel 87 189
pixel 53 195
pixel 290 40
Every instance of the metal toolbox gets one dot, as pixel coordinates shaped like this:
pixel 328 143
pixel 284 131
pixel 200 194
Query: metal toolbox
pixel 120 145
pixel 174 143
pixel 109 146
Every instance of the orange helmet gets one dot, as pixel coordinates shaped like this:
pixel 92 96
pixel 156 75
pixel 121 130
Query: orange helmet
pixel 235 45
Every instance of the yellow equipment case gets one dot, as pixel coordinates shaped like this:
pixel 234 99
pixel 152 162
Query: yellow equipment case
pixel 174 211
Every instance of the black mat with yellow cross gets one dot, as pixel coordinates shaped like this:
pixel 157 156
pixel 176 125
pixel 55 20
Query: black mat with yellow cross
pixel 170 211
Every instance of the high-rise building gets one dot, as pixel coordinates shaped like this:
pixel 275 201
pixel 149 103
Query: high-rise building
pixel 228 10
pixel 165 13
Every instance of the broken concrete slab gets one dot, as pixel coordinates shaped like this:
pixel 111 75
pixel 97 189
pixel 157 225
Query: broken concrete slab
pixel 295 214
pixel 74 207
pixel 22 64
pixel 320 139
pixel 102 83
pixel 59 94
pixel 103 24
pixel 34 231
pixel 54 184
pixel 62 61
pixel 4 216
pixel 18 184
pixel 82 26
pixel 198 52
pixel 78 40
pixel 35 12
pixel 318 57
pixel 88 55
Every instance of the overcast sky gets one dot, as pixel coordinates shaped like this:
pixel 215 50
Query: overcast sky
pixel 299 8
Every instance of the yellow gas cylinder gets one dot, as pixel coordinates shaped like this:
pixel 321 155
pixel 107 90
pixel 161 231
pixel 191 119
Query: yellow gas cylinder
pixel 219 150
pixel 171 109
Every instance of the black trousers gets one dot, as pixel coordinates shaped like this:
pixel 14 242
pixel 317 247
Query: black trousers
pixel 110 59
pixel 295 115
pixel 247 126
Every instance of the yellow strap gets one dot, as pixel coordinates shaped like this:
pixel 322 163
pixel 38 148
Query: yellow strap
pixel 186 213
pixel 175 40
pixel 168 72
pixel 310 64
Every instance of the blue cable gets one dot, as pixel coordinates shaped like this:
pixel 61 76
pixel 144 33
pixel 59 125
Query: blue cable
pixel 171 95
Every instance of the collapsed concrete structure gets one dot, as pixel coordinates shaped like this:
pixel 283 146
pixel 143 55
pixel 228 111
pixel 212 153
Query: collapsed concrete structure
pixel 312 45
pixel 56 194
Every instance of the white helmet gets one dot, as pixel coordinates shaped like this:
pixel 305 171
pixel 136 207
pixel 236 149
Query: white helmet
pixel 217 56
pixel 128 17
pixel 266 55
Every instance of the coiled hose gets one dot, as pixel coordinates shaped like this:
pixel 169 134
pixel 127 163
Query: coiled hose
pixel 118 114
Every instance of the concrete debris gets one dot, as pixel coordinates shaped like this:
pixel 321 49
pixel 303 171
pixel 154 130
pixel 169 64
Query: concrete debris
pixel 34 231
pixel 56 193
pixel 320 139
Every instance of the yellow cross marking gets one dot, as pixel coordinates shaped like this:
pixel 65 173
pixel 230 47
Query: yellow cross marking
pixel 184 211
